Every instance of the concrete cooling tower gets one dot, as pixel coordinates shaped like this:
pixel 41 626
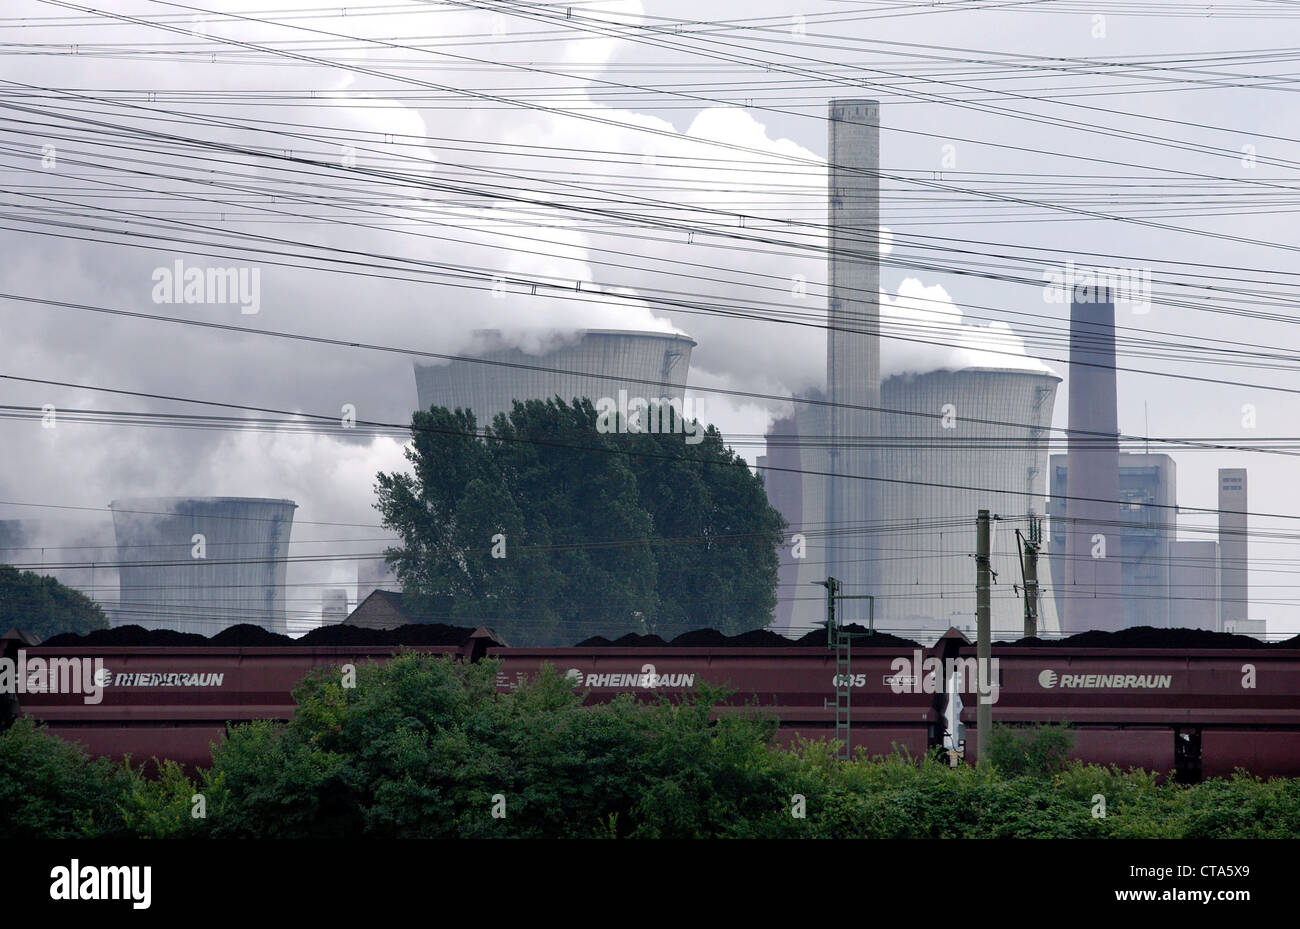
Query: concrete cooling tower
pixel 599 364
pixel 202 564
pixel 927 465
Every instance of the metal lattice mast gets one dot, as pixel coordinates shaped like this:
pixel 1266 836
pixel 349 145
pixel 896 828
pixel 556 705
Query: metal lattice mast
pixel 841 641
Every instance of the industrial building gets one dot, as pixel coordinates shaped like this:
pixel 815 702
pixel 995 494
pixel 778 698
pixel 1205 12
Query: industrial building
pixel 1165 583
pixel 1194 586
pixel 1142 544
pixel 929 468
pixel 201 564
pixel 881 482
pixel 1234 552
pixel 333 606
pixel 597 363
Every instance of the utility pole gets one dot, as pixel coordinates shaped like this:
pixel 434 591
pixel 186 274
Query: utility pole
pixel 1033 544
pixel 983 631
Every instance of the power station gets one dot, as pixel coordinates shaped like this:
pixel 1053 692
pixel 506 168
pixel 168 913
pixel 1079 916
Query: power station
pixel 879 479
pixel 932 471
pixel 200 564
pixel 880 483
pixel 594 363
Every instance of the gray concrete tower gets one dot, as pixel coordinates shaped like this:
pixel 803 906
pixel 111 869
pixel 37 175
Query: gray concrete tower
pixel 853 342
pixel 1093 591
pixel 1234 597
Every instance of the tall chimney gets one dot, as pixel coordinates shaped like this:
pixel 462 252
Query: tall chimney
pixel 1093 594
pixel 853 343
pixel 1234 595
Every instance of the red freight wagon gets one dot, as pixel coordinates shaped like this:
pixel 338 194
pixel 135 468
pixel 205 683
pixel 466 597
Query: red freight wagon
pixel 1205 710
pixel 795 684
pixel 174 702
pixel 1201 711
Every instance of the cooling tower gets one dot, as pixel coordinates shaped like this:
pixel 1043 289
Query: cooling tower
pixel 1093 592
pixel 201 564
pixel 798 442
pixel 598 364
pixel 931 467
pixel 853 341
pixel 939 469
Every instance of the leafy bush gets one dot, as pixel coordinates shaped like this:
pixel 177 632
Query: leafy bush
pixel 425 747
pixel 1030 751
pixel 52 789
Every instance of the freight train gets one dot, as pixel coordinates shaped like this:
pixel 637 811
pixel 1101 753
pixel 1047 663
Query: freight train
pixel 1227 703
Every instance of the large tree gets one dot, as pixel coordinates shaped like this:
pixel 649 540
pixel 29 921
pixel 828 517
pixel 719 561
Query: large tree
pixel 40 605
pixel 602 534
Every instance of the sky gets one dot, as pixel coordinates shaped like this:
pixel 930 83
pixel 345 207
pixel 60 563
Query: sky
pixel 409 171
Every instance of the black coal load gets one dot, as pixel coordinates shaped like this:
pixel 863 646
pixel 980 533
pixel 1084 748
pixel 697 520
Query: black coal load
pixel 702 638
pixel 1148 637
pixel 862 638
pixel 631 640
pixel 757 638
pixel 126 636
pixel 596 641
pixel 410 634
pixel 697 638
pixel 246 635
pixel 1029 642
pixel 760 638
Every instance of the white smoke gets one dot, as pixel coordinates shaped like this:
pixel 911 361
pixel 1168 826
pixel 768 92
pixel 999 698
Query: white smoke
pixel 924 330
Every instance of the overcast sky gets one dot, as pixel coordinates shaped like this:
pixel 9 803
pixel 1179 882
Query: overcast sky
pixel 550 162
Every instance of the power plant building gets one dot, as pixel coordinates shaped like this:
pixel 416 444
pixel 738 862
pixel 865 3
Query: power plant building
pixel 1194 586
pixel 598 364
pixel 1233 547
pixel 952 442
pixel 202 564
pixel 1142 543
pixel 333 606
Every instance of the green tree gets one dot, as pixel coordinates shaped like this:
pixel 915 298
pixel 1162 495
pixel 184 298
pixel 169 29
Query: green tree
pixel 51 789
pixel 40 605
pixel 422 746
pixel 718 536
pixel 603 533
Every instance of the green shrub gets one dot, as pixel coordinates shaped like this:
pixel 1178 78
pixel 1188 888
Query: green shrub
pixel 1030 751
pixel 421 746
pixel 51 789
